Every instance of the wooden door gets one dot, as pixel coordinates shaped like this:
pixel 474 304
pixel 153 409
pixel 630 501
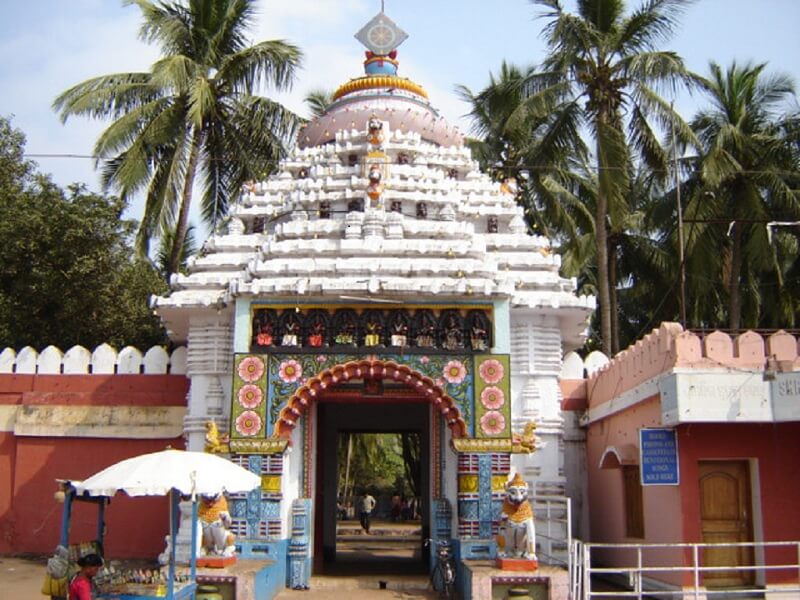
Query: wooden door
pixel 725 518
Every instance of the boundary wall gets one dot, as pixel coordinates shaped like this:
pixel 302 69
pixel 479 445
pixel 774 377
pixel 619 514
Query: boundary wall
pixel 70 415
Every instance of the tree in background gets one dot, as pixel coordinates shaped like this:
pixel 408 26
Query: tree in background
pixel 193 113
pixel 499 145
pixel 603 72
pixel 69 275
pixel 378 461
pixel 533 143
pixel 748 175
pixel 318 101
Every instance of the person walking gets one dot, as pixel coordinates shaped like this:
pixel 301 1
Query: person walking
pixel 366 508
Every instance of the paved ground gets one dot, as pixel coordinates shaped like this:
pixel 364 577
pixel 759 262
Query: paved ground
pixel 355 594
pixel 361 572
pixel 21 579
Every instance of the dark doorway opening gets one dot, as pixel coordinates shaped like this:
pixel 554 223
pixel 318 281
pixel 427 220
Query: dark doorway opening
pixel 393 545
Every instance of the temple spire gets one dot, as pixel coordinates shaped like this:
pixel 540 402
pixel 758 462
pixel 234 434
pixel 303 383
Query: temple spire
pixel 381 35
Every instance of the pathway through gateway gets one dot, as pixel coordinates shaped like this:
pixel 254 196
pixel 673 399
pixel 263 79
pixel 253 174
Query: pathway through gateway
pixel 389 548
pixel 392 547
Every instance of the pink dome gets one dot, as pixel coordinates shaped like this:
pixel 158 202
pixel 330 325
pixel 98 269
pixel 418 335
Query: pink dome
pixel 403 111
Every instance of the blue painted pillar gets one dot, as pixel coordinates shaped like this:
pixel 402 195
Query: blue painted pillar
pixel 299 571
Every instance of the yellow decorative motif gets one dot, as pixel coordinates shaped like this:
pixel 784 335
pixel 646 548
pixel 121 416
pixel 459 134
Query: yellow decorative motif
pixel 498 483
pixel 269 446
pixel 525 442
pixel 216 442
pixel 379 81
pixel 482 445
pixel 271 484
pixel 468 484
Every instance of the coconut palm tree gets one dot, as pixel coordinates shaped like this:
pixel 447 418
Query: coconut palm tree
pixel 498 145
pixel 193 116
pixel 604 72
pixel 512 140
pixel 751 166
pixel 317 101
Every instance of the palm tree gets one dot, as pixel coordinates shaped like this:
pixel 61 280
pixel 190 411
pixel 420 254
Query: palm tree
pixel 640 268
pixel 751 166
pixel 194 113
pixel 603 72
pixel 317 101
pixel 515 140
pixel 499 145
pixel 163 251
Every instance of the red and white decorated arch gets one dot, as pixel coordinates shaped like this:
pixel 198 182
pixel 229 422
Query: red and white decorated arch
pixel 368 370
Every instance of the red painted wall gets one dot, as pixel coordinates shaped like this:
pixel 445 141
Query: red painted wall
pixel 30 518
pixel 775 448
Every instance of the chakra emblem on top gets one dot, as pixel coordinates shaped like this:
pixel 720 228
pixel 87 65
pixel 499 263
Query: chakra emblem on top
pixel 381 35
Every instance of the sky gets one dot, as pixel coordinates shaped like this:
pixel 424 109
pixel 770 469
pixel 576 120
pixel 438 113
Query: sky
pixel 49 45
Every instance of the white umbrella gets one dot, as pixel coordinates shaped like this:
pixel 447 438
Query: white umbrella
pixel 157 473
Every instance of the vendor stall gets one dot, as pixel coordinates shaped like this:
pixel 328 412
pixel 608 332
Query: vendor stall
pixel 175 473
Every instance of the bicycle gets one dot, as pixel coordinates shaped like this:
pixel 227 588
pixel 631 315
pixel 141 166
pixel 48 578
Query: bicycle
pixel 443 576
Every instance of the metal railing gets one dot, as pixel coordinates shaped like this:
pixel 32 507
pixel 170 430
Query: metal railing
pixel 642 575
pixel 553 518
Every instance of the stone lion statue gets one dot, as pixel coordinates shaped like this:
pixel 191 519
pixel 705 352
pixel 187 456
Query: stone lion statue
pixel 217 540
pixel 517 537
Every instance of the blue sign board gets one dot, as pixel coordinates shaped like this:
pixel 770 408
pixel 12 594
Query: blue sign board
pixel 658 450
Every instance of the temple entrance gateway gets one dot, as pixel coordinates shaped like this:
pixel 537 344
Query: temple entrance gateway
pixel 389 548
pixel 377 283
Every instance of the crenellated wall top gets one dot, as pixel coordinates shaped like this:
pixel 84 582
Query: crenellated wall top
pixel 103 360
pixel 670 347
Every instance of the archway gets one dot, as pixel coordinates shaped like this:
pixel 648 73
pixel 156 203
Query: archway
pixel 368 370
pixel 367 396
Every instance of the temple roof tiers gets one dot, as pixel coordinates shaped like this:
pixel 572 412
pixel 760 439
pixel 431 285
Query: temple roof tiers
pixel 380 198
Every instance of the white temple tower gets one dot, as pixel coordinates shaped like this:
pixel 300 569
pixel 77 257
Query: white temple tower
pixel 378 276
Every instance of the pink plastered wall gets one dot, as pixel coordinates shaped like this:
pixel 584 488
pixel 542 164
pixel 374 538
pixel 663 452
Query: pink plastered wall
pixel 670 346
pixel 662 504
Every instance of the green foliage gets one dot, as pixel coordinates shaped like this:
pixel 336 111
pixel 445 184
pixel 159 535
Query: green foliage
pixel 194 117
pixel 383 463
pixel 69 276
pixel 317 101
pixel 747 174
pixel 580 129
pixel 604 71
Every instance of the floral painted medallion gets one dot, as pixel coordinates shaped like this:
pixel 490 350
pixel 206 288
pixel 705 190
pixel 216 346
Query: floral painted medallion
pixel 264 383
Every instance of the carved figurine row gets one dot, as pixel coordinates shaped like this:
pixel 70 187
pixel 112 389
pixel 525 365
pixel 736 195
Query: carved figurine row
pixel 325 211
pixel 319 328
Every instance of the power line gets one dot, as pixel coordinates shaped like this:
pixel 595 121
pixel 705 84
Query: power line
pixel 522 167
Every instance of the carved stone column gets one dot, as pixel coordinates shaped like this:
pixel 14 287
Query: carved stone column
pixel 209 356
pixel 208 365
pixel 535 367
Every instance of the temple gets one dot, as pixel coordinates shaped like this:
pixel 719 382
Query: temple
pixel 378 281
